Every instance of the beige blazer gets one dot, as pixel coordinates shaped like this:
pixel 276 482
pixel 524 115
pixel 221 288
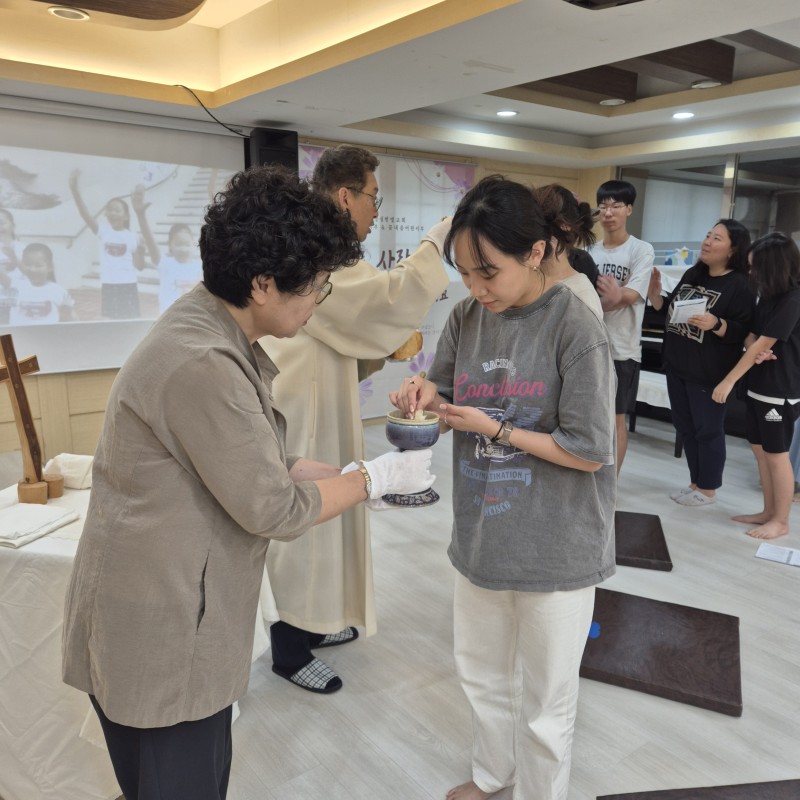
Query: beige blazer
pixel 190 482
pixel 323 581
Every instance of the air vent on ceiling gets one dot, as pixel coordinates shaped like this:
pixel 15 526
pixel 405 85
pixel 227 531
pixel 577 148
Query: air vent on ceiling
pixel 599 5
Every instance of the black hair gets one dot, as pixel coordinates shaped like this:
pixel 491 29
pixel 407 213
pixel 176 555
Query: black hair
pixel 37 247
pixel 125 208
pixel 570 220
pixel 775 265
pixel 345 165
pixel 178 227
pixel 501 212
pixel 268 222
pixel 740 243
pixel 618 191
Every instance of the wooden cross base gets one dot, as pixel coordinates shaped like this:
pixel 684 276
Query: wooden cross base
pixel 35 487
pixel 41 491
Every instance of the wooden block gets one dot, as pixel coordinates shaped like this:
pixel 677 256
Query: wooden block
pixel 640 541
pixel 34 492
pixel 55 484
pixel 773 790
pixel 672 651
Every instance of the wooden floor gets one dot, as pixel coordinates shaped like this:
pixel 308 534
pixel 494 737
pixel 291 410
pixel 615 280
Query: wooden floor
pixel 400 728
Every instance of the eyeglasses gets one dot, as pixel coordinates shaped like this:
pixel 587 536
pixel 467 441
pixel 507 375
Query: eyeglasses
pixel 323 292
pixel 614 208
pixel 376 198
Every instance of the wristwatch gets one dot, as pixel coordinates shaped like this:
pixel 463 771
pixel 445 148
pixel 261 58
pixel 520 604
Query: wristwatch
pixel 718 325
pixel 506 433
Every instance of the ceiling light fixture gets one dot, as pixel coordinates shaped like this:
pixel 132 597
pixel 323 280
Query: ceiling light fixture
pixel 683 115
pixel 706 83
pixel 613 101
pixel 508 113
pixel 68 13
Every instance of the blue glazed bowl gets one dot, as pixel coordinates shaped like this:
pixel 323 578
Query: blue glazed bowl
pixel 412 434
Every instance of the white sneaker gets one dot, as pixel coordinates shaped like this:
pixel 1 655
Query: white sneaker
pixel 681 492
pixel 695 499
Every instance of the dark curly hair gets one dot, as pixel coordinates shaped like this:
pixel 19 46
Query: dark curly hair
pixel 269 223
pixel 345 165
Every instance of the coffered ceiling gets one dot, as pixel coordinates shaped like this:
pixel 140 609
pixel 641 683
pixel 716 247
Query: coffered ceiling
pixel 429 75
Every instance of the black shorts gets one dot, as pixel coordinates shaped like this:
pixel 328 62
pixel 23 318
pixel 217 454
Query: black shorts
pixel 119 300
pixel 771 425
pixel 627 385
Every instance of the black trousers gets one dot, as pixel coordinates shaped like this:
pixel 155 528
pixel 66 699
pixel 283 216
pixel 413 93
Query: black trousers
pixel 701 423
pixel 291 647
pixel 187 761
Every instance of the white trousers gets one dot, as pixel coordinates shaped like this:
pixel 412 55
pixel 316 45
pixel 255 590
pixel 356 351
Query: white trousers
pixel 517 655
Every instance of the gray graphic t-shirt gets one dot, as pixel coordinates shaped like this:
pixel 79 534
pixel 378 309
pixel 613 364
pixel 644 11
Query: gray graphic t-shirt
pixel 519 522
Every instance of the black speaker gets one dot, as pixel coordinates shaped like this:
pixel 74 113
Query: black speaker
pixel 271 146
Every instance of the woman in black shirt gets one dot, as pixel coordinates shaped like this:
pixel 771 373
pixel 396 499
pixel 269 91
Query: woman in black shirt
pixel 773 383
pixel 698 354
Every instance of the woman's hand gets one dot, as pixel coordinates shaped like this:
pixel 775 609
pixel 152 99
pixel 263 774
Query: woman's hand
pixel 765 355
pixel 466 418
pixel 721 391
pixel 654 290
pixel 704 321
pixel 414 393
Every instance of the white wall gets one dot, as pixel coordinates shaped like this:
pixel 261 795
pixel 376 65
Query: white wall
pixel 679 212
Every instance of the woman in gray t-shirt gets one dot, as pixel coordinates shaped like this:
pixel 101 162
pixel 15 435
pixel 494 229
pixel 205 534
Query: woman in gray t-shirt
pixel 523 374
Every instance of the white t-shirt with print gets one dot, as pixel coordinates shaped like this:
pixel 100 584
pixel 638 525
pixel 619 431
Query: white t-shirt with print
pixel 116 255
pixel 39 305
pixel 631 263
pixel 176 279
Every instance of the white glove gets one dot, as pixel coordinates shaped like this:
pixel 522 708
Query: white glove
pixel 438 233
pixel 372 505
pixel 397 472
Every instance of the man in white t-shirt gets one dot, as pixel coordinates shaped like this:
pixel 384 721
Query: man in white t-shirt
pixel 625 264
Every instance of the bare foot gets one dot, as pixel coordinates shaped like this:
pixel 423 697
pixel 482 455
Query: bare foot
pixel 468 791
pixel 770 530
pixel 752 519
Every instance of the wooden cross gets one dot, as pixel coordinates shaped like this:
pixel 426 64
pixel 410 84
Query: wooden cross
pixel 34 486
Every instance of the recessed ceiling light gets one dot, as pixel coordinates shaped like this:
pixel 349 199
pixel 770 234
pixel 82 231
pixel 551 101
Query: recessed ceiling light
pixel 613 101
pixel 683 115
pixel 66 12
pixel 706 83
pixel 507 113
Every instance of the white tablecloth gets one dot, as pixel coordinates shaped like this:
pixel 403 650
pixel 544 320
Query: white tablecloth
pixel 653 389
pixel 42 753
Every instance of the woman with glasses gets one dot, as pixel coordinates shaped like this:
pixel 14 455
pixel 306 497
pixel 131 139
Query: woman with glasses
pixel 191 481
pixel 699 353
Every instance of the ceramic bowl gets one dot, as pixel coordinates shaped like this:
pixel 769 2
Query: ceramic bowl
pixel 412 434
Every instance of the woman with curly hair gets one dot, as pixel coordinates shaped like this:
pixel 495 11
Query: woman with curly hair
pixel 192 479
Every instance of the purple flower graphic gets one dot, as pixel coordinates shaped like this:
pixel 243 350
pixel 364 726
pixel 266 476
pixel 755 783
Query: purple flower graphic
pixel 421 363
pixel 364 390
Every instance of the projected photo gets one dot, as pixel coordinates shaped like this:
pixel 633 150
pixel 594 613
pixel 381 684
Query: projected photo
pixel 89 238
